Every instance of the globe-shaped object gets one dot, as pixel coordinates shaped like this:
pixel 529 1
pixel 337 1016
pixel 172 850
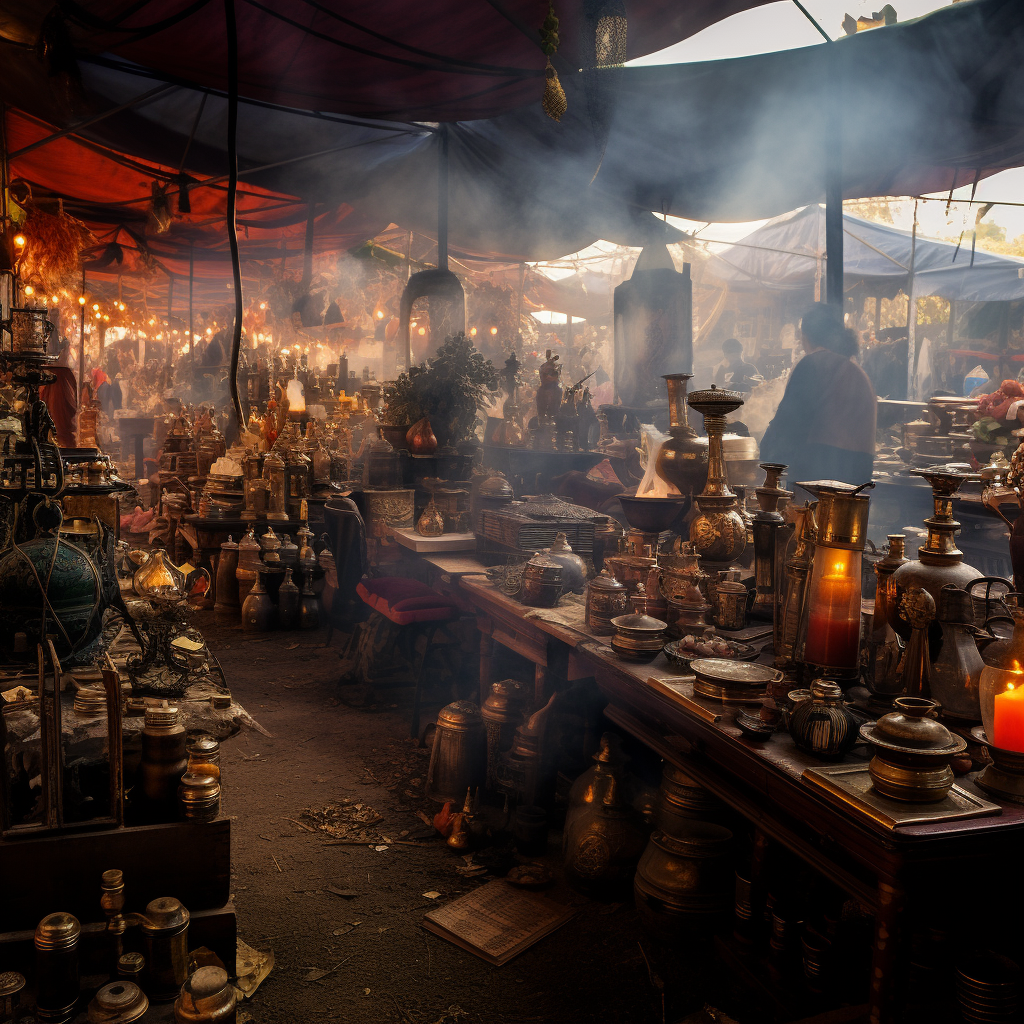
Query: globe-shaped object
pixel 73 587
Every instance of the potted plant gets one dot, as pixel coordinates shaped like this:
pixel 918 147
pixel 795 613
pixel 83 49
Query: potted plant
pixel 402 408
pixel 449 390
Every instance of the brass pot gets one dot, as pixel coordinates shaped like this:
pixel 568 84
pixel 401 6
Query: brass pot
pixel 457 758
pixel 679 877
pixel 606 599
pixel 681 801
pixel 206 998
pixel 120 1002
pixel 542 582
pixel 683 459
pixel 165 933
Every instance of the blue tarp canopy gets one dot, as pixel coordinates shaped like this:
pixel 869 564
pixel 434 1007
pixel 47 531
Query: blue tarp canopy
pixel 788 254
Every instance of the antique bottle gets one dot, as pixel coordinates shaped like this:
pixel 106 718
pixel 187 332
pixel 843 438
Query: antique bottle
pixel 917 609
pixel 882 648
pixel 289 552
pixel 683 458
pixel 163 760
pixel 248 563
pixel 823 726
pixel 457 756
pixel 258 609
pixel 956 672
pixel 771 536
pixel 1001 687
pixel 939 561
pixel 502 712
pixel 586 796
pixel 198 796
pixel 601 856
pixel 309 606
pixel 798 568
pixel 204 756
pixel 718 531
pixel 165 934
pixel 227 578
pixel 288 596
pixel 57 981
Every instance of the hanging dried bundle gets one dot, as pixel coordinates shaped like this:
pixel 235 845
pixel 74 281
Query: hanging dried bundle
pixel 554 102
pixel 53 249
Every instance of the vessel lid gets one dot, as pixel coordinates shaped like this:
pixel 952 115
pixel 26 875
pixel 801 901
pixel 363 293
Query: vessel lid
pixel 165 914
pixel 162 714
pixel 461 714
pixel 57 931
pixel 606 581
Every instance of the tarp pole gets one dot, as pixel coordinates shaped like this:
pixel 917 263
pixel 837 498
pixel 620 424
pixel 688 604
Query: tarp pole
pixel 912 317
pixel 834 184
pixel 442 203
pixel 191 275
pixel 236 269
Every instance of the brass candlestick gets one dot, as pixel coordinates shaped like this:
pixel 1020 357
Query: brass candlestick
pixel 771 534
pixel 718 531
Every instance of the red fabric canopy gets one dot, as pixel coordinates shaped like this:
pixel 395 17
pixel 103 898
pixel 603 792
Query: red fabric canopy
pixel 446 60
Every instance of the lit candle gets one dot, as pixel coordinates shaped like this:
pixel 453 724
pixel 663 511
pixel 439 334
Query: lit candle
pixel 833 624
pixel 1008 724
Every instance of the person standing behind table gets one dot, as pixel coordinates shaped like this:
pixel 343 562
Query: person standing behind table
pixel 734 371
pixel 824 427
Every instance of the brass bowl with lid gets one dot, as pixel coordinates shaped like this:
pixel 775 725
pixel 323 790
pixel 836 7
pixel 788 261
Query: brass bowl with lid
pixel 732 682
pixel 638 637
pixel 912 752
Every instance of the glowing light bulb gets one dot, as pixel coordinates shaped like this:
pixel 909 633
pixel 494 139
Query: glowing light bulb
pixel 472 332
pixel 29 290
pixel 423 330
pixel 55 298
pixel 106 318
pixel 19 240
pixel 380 314
pixel 81 300
pixel 263 305
pixel 95 307
pixel 494 330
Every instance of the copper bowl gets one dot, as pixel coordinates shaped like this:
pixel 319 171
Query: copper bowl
pixel 653 515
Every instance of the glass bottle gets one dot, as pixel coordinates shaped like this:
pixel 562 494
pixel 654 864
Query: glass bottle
pixel 1001 687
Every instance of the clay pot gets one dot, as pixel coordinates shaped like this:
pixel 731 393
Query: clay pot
pixel 421 438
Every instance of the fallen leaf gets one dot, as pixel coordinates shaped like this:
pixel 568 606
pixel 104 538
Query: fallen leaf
pixel 432 895
pixel 291 647
pixel 366 991
pixel 347 894
pixel 381 849
pixel 316 975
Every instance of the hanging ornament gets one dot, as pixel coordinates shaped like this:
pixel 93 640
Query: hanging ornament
pixel 160 215
pixel 554 102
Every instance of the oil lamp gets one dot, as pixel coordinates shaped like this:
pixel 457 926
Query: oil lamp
pixel 830 628
pixel 296 399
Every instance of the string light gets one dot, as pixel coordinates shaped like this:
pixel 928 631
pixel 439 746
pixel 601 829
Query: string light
pixel 95 307
pixel 423 330
pixel 19 241
pixel 472 332
pixel 29 290
pixel 81 300
pixel 494 330
pixel 263 305
pixel 55 298
pixel 380 314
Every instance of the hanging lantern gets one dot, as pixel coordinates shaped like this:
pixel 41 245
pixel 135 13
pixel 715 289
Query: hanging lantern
pixel 610 35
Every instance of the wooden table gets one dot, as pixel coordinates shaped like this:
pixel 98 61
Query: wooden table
pixel 889 871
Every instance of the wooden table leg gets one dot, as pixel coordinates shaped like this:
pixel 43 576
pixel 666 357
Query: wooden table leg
pixel 486 650
pixel 885 968
pixel 540 680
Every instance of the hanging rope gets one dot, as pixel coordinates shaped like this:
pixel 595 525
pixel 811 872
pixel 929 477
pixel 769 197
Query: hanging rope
pixel 236 268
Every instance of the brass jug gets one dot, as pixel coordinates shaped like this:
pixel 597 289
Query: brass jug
pixel 457 758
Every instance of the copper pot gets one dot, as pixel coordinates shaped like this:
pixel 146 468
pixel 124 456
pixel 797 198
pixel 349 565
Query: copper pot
pixel 457 758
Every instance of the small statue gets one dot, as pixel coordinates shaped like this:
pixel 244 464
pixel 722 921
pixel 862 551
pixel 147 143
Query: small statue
pixel 510 430
pixel 549 394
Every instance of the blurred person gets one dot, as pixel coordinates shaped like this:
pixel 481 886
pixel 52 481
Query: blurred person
pixel 824 427
pixel 734 371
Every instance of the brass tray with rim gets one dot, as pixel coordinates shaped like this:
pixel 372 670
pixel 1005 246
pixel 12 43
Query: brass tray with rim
pixel 732 682
pixel 850 786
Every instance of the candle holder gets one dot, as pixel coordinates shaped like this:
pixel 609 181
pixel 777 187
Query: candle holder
pixel 1005 776
pixel 1001 685
pixel 718 532
pixel 830 627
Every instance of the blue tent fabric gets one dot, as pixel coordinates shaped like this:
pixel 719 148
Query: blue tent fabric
pixel 784 254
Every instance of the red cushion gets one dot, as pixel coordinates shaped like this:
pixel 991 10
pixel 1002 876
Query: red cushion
pixel 406 601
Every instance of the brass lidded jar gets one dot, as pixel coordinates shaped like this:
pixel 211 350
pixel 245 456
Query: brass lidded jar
pixel 163 756
pixel 199 796
pixel 718 531
pixel 574 569
pixel 119 1002
pixel 207 997
pixel 227 578
pixel 606 599
pixel 822 726
pixel 542 582
pixel 913 752
pixel 586 796
pixel 939 561
pixel 165 933
pixel 57 981
pixel 683 459
pixel 684 875
pixel 457 756
pixel 502 712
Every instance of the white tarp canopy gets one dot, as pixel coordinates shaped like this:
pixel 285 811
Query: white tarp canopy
pixel 788 253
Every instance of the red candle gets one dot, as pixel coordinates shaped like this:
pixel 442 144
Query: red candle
pixel 1008 723
pixel 833 625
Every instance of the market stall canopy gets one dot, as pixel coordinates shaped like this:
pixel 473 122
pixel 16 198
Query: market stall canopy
pixel 927 105
pixel 784 255
pixel 446 60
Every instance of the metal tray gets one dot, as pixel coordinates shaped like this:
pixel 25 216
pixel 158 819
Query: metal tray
pixel 850 786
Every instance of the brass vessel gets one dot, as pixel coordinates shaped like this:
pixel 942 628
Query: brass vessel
pixel 57 980
pixel 771 536
pixel 939 561
pixel 683 459
pixel 165 933
pixel 681 801
pixel 912 752
pixel 682 876
pixel 502 712
pixel 718 531
pixel 457 756
pixel 794 586
pixel 120 1002
pixel 955 674
pixel 606 599
pixel 586 796
pixel 207 997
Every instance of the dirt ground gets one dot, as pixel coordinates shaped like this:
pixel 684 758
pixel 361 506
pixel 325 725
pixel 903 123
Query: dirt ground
pixel 343 916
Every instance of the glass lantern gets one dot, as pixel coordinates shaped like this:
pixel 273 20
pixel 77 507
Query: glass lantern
pixel 831 619
pixel 1001 686
pixel 276 484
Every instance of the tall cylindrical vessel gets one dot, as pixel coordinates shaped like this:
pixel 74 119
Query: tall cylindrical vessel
pixel 57 983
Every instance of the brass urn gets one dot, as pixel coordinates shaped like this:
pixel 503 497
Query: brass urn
pixel 718 532
pixel 683 459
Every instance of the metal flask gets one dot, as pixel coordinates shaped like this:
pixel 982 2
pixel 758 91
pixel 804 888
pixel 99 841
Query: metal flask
pixel 457 759
pixel 163 759
pixel 165 932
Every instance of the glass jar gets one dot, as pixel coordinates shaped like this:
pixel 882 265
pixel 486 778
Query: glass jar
pixel 1001 687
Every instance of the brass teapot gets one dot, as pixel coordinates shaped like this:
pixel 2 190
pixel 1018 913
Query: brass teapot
pixel 160 581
